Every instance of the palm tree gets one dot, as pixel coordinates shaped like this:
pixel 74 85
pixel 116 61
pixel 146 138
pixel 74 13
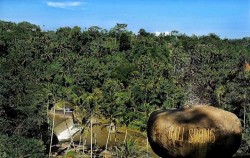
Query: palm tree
pixel 147 108
pixel 53 125
pixel 113 107
pixel 112 111
pixel 52 131
pixel 92 100
pixel 127 118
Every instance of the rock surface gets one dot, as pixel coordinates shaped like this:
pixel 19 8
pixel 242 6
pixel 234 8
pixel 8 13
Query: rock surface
pixel 194 132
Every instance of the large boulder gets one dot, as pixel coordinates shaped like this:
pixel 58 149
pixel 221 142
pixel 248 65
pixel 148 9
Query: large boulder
pixel 194 132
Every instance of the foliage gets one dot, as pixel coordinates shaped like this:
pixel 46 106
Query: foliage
pixel 128 149
pixel 117 73
pixel 70 154
pixel 15 146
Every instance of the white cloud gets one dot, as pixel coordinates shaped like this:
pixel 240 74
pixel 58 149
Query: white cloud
pixel 64 4
pixel 157 33
pixel 165 33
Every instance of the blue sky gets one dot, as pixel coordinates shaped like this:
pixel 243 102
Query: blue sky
pixel 226 18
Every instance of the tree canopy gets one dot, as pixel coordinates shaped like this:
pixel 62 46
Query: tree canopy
pixel 118 73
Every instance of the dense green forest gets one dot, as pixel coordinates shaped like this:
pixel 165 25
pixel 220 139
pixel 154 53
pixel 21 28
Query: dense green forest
pixel 117 73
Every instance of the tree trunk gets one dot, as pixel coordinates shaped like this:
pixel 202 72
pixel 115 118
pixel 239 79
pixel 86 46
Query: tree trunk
pixel 83 146
pixel 84 143
pixel 52 131
pixel 80 141
pixel 106 147
pixel 91 140
pixel 125 138
pixel 85 136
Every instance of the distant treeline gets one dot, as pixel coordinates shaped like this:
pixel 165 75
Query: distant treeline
pixel 117 73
